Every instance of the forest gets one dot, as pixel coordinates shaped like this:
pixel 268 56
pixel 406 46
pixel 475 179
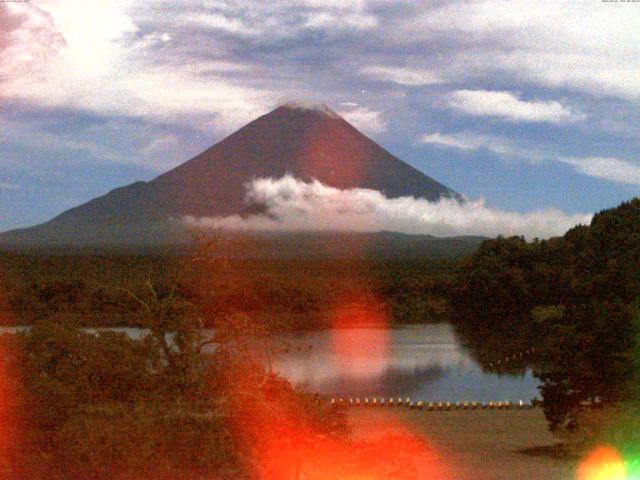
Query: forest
pixel 100 291
pixel 575 300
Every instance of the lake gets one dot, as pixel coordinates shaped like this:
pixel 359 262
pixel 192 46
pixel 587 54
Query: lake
pixel 423 362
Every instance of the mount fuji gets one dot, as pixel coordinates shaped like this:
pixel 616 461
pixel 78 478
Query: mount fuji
pixel 306 141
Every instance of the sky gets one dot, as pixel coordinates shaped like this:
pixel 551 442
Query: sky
pixel 522 106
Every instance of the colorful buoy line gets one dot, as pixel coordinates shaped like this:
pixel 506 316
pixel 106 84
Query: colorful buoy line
pixel 512 358
pixel 433 406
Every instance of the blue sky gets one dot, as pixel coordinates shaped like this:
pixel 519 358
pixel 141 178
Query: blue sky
pixel 530 105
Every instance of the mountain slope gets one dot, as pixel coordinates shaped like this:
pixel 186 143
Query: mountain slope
pixel 306 142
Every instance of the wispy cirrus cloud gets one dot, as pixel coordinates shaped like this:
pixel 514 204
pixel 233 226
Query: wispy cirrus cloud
pixel 580 45
pixel 332 20
pixel 413 77
pixel 507 106
pixel 9 186
pixel 467 141
pixel 611 169
pixel 470 141
pixel 607 168
pixel 199 69
pixel 369 121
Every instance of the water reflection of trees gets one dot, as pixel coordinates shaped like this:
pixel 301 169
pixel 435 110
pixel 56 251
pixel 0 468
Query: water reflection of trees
pixel 499 350
pixel 392 381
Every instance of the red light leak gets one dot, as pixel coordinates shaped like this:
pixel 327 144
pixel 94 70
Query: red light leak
pixel 299 452
pixel 329 153
pixel 399 456
pixel 359 350
pixel 284 440
pixel 8 409
pixel 9 393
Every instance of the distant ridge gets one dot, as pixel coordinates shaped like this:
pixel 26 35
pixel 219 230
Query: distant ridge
pixel 308 141
pixel 318 245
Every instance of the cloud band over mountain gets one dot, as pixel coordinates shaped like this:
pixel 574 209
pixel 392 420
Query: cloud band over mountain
pixel 291 204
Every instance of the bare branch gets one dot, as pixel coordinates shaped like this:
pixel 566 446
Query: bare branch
pixel 150 285
pixel 136 298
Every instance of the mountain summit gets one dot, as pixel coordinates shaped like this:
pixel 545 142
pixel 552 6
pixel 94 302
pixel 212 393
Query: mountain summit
pixel 307 141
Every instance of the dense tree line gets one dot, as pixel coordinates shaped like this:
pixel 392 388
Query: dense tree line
pixel 573 298
pixel 96 290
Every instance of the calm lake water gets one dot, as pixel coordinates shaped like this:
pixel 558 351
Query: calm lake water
pixel 424 362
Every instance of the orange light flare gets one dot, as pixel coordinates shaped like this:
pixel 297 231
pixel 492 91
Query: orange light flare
pixel 602 463
pixel 331 154
pixel 282 436
pixel 383 449
pixel 400 456
pixel 360 336
pixel 9 409
pixel 8 389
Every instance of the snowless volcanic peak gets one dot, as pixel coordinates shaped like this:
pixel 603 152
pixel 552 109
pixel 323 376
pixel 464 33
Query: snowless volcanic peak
pixel 305 140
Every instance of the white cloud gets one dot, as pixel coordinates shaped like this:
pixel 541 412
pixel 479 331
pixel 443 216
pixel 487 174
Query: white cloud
pixel 607 168
pixel 277 20
pixel 294 205
pixel 332 20
pixel 216 21
pixel 97 47
pixel 310 106
pixel 462 141
pixel 582 45
pixel 369 121
pixel 404 76
pixel 86 57
pixel 8 186
pixel 22 134
pixel 509 107
pixel 493 143
pixel 197 65
pixel 163 153
pixel 112 142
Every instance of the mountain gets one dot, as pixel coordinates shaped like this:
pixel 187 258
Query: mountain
pixel 347 245
pixel 306 141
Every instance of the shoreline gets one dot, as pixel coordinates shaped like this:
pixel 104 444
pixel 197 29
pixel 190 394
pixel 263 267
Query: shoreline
pixel 398 326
